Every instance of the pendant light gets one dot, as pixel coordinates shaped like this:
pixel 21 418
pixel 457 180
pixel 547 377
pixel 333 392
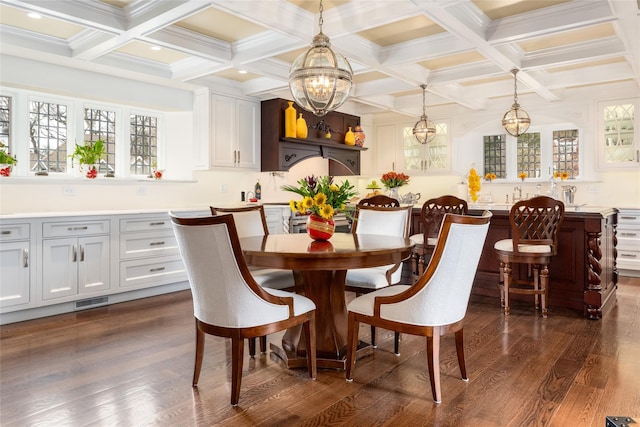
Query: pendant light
pixel 424 130
pixel 319 79
pixel 516 121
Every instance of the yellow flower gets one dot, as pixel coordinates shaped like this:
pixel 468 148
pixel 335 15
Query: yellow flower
pixel 293 205
pixel 564 175
pixel 320 199
pixel 307 202
pixel 556 174
pixel 326 211
pixel 522 175
pixel 334 188
pixel 301 208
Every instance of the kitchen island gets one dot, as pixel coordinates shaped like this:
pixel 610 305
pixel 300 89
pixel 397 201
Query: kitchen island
pixel 583 274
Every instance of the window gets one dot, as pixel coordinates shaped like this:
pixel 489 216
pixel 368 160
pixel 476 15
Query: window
pixel 48 130
pixel 528 155
pixel 144 144
pixel 101 124
pixel 566 154
pixel 495 155
pixel 5 123
pixel 437 157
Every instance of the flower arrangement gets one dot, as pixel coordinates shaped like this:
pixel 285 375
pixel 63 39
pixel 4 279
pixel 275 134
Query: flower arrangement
pixel 393 179
pixel 474 184
pixel 320 196
pixel 562 175
pixel 90 153
pixel 489 176
pixel 522 175
pixel 7 160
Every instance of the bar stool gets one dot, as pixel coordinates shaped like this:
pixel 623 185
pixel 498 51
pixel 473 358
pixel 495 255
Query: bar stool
pixel 534 240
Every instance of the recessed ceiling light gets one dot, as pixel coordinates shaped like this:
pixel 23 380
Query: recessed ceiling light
pixel 156 48
pixel 242 71
pixel 34 15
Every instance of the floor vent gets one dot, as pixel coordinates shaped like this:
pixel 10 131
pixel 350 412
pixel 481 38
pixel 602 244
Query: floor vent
pixel 93 302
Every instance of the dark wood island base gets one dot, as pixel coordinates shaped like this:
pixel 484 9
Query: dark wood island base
pixel 583 275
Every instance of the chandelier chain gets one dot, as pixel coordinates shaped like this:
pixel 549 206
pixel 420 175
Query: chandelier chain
pixel 321 20
pixel 515 86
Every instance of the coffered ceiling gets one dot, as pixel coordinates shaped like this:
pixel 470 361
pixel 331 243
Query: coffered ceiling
pixel 463 49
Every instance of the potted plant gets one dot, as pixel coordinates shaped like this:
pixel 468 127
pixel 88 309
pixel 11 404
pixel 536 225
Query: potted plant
pixel 6 161
pixel 88 156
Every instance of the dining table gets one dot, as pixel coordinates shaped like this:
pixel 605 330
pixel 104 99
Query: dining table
pixel 320 270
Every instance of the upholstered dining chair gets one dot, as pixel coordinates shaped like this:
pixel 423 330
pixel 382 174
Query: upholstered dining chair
pixel 227 302
pixel 251 221
pixel 385 221
pixel 431 216
pixel 534 241
pixel 435 304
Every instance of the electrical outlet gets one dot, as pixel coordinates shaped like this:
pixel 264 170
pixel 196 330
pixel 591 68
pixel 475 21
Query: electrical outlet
pixel 68 191
pixel 141 191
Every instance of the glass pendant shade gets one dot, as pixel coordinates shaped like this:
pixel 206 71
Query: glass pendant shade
pixel 320 79
pixel 516 121
pixel 424 130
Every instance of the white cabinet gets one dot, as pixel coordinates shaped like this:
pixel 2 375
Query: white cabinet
pixel 618 144
pixel 226 132
pixel 75 258
pixel 277 219
pixel 628 234
pixel 15 264
pixel 149 253
pixel 397 149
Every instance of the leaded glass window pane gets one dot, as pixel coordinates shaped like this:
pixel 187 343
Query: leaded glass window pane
pixel 5 123
pixel 495 155
pixel 144 144
pixel 48 134
pixel 528 154
pixel 101 124
pixel 437 149
pixel 566 153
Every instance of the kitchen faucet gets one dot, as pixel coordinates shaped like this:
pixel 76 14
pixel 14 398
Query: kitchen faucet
pixel 519 190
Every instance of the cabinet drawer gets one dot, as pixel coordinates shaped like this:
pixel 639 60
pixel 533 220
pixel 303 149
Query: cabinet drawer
pixel 153 272
pixel 629 217
pixel 10 232
pixel 628 259
pixel 147 223
pixel 629 243
pixel 75 228
pixel 136 245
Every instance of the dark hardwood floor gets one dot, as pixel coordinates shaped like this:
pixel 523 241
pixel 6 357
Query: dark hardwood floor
pixel 131 364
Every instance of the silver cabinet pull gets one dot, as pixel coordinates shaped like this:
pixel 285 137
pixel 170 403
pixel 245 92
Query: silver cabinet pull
pixel 74 257
pixel 81 253
pixel 156 243
pixel 25 258
pixel 238 162
pixel 157 269
pixel 6 232
pixel 628 234
pixel 157 223
pixel 628 256
pixel 632 218
pixel 77 228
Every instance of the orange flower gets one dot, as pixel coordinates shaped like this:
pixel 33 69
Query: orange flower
pixel 394 179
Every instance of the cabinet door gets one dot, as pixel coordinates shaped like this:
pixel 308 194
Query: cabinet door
pixel 59 268
pixel 385 149
pixel 248 120
pixel 618 135
pixel 223 123
pixel 14 273
pixel 93 264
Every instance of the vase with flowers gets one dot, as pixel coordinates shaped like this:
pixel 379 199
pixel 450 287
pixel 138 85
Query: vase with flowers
pixel 6 161
pixel 321 200
pixel 392 181
pixel 473 181
pixel 89 155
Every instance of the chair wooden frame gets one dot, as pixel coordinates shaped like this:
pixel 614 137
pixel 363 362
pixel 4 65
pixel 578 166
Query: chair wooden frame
pixel 237 335
pixel 432 333
pixel 431 215
pixel 380 200
pixel 534 222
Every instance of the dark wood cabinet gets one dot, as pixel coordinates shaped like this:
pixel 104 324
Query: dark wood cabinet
pixel 583 276
pixel 280 153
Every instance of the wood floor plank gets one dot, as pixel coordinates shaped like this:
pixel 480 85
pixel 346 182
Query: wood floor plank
pixel 131 364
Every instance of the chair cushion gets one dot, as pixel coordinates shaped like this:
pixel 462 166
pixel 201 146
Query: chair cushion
pixel 368 278
pixel 301 304
pixel 506 245
pixel 273 278
pixel 364 304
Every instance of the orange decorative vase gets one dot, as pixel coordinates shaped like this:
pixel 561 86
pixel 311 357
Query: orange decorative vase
pixel 319 228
